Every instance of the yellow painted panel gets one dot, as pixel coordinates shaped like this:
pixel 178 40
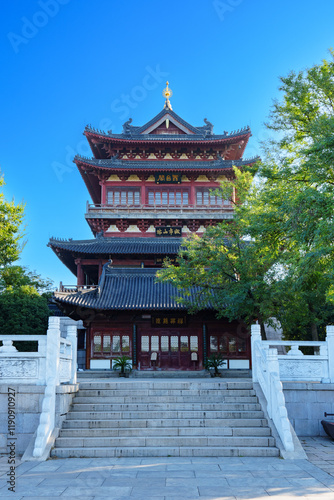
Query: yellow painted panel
pixel 114 177
pixel 133 229
pixel 202 178
pixel 133 177
pixel 184 178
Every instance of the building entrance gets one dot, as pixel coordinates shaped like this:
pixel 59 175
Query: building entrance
pixel 168 349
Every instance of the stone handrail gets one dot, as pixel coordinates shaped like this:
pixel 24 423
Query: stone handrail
pixel 53 364
pixel 269 370
pixel 296 366
pixel 265 372
pixel 23 367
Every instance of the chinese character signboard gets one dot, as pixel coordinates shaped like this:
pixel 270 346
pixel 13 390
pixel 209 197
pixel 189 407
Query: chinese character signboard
pixel 166 320
pixel 168 231
pixel 167 178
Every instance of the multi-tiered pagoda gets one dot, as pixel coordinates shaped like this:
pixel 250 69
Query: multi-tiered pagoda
pixel 150 186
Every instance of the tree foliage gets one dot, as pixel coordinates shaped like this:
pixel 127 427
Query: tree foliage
pixel 23 311
pixel 11 217
pixel 23 293
pixel 276 257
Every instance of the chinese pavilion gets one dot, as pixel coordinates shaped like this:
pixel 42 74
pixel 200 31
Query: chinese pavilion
pixel 150 186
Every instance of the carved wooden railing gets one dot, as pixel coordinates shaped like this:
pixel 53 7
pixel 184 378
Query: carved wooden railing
pixel 157 208
pixel 75 288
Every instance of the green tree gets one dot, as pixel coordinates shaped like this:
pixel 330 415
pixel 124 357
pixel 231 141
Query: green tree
pixel 295 202
pixel 11 217
pixel 23 311
pixel 15 277
pixel 226 269
pixel 276 257
pixel 23 293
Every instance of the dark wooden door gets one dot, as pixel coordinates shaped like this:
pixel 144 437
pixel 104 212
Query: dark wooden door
pixel 168 349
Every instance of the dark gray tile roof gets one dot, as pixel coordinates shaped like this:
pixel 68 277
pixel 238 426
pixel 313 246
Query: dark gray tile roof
pixel 198 133
pixel 128 289
pixel 119 246
pixel 163 112
pixel 169 165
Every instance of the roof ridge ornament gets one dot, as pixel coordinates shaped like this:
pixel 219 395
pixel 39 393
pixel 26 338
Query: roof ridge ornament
pixel 167 93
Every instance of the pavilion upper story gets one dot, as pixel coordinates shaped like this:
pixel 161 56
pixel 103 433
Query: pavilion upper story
pixel 159 175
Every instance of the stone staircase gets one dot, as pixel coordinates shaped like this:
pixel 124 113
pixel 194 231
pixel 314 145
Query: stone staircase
pixel 139 418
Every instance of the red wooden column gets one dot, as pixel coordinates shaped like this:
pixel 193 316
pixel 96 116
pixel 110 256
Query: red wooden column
pixel 80 273
pixel 192 200
pixel 142 193
pixel 103 192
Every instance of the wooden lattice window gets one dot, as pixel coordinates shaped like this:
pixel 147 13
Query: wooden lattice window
pixel 109 344
pixel 205 198
pixel 123 196
pixel 168 197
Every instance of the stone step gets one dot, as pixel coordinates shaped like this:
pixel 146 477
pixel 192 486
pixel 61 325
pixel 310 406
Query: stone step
pixel 165 431
pixel 164 441
pixel 166 414
pixel 164 399
pixel 75 423
pixel 216 451
pixel 138 418
pixel 173 374
pixel 163 393
pixel 127 385
pixel 137 407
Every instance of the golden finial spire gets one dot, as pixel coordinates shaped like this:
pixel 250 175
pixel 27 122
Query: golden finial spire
pixel 167 93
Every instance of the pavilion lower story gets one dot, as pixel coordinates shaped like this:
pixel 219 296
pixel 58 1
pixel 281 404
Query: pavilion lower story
pixel 166 341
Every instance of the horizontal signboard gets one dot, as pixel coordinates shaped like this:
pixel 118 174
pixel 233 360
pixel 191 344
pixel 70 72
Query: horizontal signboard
pixel 168 231
pixel 167 178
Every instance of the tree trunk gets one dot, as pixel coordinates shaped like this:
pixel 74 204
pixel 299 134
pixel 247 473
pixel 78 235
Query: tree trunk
pixel 314 332
pixel 263 332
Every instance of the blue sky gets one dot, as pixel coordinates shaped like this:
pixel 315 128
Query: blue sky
pixel 67 63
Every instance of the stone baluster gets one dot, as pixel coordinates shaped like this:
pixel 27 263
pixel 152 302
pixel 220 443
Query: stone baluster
pixel 48 414
pixel 72 337
pixel 256 337
pixel 330 347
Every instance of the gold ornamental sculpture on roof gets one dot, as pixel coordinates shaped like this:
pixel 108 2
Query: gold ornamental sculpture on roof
pixel 167 93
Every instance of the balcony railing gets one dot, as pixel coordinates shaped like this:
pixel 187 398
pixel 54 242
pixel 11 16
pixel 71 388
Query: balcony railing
pixel 76 288
pixel 96 208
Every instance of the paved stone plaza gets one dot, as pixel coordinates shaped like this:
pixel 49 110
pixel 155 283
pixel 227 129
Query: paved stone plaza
pixel 176 478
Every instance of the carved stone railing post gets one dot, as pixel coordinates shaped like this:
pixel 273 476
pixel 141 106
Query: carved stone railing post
pixel 266 373
pixel 330 354
pixel 256 336
pixel 72 337
pixel 272 372
pixel 47 418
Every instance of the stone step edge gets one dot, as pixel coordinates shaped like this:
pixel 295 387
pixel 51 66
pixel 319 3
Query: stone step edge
pixel 169 451
pixel 139 429
pixel 164 419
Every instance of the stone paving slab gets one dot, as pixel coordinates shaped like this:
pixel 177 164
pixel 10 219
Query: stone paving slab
pixel 178 478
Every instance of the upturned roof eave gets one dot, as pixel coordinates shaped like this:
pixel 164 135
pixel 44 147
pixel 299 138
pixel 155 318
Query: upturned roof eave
pixel 161 138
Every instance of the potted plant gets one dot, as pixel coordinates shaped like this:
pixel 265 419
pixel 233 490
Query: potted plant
pixel 123 364
pixel 213 363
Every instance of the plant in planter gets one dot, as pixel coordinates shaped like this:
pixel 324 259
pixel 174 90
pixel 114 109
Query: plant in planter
pixel 213 363
pixel 123 364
